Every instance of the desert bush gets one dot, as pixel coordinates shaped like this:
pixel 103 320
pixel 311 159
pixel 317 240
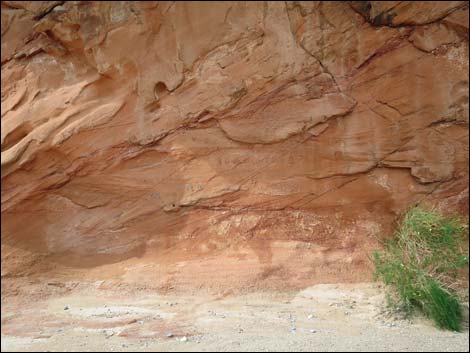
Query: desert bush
pixel 422 264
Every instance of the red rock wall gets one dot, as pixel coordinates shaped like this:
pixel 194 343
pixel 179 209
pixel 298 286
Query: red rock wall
pixel 225 143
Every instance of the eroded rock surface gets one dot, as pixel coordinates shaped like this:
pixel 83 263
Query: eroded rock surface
pixel 231 144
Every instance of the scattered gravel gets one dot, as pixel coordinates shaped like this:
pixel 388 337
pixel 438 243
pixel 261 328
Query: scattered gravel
pixel 254 322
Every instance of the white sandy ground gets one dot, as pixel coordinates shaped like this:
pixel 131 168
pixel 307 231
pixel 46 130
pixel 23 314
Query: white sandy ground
pixel 343 317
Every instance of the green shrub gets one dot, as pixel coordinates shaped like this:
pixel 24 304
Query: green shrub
pixel 421 263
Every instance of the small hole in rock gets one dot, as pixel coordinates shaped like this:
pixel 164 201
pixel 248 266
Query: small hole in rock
pixel 160 90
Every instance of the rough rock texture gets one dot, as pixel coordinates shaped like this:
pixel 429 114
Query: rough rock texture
pixel 232 144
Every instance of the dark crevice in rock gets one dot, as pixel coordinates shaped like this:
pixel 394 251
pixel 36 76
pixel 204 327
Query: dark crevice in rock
pixel 323 66
pixel 392 45
pixel 385 19
pixel 47 11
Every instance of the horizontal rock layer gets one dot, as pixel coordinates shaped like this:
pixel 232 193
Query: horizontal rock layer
pixel 225 144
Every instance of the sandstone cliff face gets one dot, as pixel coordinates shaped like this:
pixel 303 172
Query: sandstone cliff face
pixel 230 143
